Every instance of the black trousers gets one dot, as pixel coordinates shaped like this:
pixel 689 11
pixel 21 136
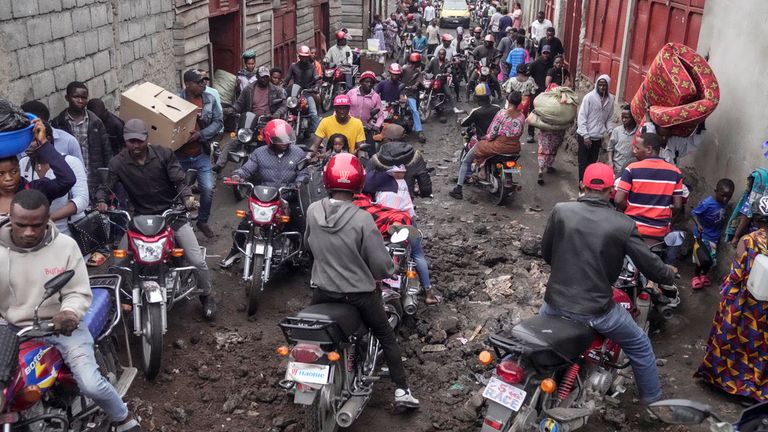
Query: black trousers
pixel 588 153
pixel 371 309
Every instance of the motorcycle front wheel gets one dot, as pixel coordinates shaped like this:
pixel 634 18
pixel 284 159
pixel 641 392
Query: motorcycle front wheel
pixel 320 416
pixel 152 338
pixel 326 98
pixel 425 108
pixel 256 287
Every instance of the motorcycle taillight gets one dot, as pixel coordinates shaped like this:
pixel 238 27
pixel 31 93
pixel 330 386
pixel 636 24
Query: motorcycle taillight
pixel 338 74
pixel 510 372
pixel 306 353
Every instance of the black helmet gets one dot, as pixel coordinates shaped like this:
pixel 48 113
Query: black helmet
pixel 760 209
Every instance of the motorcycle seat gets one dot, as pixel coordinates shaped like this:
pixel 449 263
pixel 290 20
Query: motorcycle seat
pixel 345 316
pixel 99 313
pixel 564 338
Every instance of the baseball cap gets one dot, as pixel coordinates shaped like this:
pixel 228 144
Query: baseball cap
pixel 263 71
pixel 193 75
pixel 598 176
pixel 135 129
pixel 342 100
pixel 546 48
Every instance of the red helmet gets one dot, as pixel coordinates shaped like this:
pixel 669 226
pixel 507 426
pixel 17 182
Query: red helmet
pixel 447 37
pixel 414 58
pixel 304 51
pixel 395 69
pixel 340 35
pixel 344 172
pixel 278 131
pixel 409 17
pixel 367 75
pixel 489 38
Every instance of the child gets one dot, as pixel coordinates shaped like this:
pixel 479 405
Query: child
pixel 337 143
pixel 620 145
pixel 709 217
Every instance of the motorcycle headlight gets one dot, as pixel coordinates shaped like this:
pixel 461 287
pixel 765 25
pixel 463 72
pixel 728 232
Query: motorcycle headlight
pixel 244 135
pixel 292 102
pixel 328 73
pixel 149 252
pixel 262 214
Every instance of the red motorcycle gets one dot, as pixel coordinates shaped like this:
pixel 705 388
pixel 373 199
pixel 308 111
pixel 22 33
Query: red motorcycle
pixel 432 97
pixel 553 374
pixel 37 389
pixel 334 83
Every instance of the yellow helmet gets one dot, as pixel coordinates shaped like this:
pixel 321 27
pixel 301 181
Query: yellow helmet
pixel 481 90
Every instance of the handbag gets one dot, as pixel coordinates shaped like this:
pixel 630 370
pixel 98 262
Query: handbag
pixel 90 232
pixel 702 253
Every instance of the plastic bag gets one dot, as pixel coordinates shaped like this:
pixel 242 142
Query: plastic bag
pixel 225 83
pixel 11 117
pixel 536 121
pixel 550 110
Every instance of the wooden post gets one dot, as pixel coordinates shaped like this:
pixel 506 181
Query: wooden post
pixel 626 45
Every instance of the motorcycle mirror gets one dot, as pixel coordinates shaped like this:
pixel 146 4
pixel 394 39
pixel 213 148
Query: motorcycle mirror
pixel 103 174
pixel 366 147
pixel 56 283
pixel 375 112
pixel 190 177
pixel 681 411
pixel 674 238
pixel 303 164
pixel 400 236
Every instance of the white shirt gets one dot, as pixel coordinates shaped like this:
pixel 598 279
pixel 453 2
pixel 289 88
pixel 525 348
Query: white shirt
pixel 429 13
pixel 495 22
pixel 539 29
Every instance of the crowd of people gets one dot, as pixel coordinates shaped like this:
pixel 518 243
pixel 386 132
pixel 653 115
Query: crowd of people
pixel 55 183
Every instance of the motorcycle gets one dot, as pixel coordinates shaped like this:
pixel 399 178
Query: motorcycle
pixel 333 361
pixel 502 172
pixel 41 392
pixel 156 275
pixel 249 138
pixel 265 243
pixel 432 96
pixel 399 113
pixel 334 83
pixel 405 281
pixel 554 374
pixel 298 111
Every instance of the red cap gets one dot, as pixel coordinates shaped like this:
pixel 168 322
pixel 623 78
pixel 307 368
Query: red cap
pixel 342 100
pixel 598 176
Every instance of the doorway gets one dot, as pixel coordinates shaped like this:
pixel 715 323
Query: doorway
pixel 225 39
pixel 284 32
pixel 322 25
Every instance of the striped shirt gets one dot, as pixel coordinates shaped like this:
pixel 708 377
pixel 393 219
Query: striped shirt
pixel 650 185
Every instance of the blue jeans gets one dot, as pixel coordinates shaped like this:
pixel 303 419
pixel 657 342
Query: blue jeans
pixel 77 352
pixel 465 166
pixel 201 163
pixel 617 324
pixel 314 119
pixel 422 268
pixel 415 114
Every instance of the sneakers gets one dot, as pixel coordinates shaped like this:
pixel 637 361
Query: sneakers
pixel 230 260
pixel 128 425
pixel 404 399
pixel 432 296
pixel 205 229
pixel 456 193
pixel 209 307
pixel 530 139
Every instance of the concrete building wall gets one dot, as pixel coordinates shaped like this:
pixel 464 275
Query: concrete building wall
pixel 731 145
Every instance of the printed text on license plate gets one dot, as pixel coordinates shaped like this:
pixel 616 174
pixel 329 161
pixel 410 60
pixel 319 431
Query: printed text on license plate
pixel 307 373
pixel 505 394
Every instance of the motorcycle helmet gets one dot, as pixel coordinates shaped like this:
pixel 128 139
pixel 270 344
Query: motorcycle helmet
pixel 341 35
pixel 482 90
pixel 409 17
pixel 304 51
pixel 368 75
pixel 414 58
pixel 344 172
pixel 278 131
pixel 489 38
pixel 447 37
pixel 459 31
pixel 760 209
pixel 395 69
pixel 341 100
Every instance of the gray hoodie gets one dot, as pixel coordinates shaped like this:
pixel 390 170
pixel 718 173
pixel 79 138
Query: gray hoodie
pixel 348 249
pixel 594 113
pixel 24 272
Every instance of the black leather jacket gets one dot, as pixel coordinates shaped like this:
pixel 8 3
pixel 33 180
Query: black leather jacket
pixel 585 243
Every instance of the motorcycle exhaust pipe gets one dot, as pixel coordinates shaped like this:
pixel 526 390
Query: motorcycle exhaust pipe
pixel 410 304
pixel 350 411
pixel 667 313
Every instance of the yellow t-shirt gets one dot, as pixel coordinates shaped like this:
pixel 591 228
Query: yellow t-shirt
pixel 353 130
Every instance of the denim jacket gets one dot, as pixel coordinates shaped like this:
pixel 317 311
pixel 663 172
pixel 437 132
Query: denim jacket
pixel 211 119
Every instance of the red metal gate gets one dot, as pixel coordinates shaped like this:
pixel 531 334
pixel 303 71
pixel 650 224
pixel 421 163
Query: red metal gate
pixel 284 32
pixel 549 10
pixel 656 23
pixel 224 31
pixel 571 33
pixel 604 36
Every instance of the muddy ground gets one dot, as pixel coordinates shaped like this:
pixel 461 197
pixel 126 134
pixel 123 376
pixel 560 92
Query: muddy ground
pixel 223 376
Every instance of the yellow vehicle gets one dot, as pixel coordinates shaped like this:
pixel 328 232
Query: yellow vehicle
pixel 455 13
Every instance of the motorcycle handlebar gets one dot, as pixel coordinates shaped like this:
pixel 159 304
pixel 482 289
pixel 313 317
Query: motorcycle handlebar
pixel 41 329
pixel 228 181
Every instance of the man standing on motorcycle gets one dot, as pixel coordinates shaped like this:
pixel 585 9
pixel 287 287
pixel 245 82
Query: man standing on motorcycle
pixel 153 179
pixel 303 74
pixel 350 256
pixel 412 79
pixel 363 101
pixel 340 122
pixel 585 243
pixel 246 75
pixel 32 245
pixel 275 165
pixel 341 55
pixel 192 155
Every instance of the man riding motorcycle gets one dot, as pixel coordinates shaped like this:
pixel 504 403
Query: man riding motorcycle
pixel 440 65
pixel 153 178
pixel 350 256
pixel 490 54
pixel 363 100
pixel 273 165
pixel 412 77
pixel 341 55
pixel 579 285
pixel 304 74
pixel 32 245
pixel 246 75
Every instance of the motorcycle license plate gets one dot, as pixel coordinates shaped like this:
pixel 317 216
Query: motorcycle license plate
pixel 515 171
pixel 308 373
pixel 393 283
pixel 505 394
pixel 258 248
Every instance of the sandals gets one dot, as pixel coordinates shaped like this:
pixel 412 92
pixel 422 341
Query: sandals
pixel 697 282
pixel 435 299
pixel 705 281
pixel 96 259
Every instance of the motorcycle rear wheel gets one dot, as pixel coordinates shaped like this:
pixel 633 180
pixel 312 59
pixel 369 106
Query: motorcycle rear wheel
pixel 320 417
pixel 256 286
pixel 499 190
pixel 151 339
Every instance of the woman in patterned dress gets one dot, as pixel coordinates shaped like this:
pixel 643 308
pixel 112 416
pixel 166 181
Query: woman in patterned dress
pixel 503 136
pixel 737 350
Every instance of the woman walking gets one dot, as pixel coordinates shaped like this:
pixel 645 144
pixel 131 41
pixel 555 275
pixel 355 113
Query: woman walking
pixel 377 30
pixel 736 350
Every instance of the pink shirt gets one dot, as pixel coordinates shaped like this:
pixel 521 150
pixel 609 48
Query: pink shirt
pixel 363 104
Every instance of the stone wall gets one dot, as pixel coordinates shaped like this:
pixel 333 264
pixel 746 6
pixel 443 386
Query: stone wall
pixel 49 43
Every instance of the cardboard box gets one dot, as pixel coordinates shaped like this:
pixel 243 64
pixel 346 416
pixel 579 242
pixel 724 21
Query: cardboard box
pixel 170 118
